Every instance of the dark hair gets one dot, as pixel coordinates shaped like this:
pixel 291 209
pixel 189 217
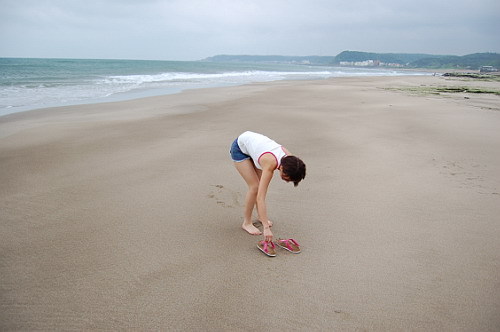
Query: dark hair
pixel 294 169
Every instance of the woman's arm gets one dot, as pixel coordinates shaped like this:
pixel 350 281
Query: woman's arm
pixel 268 163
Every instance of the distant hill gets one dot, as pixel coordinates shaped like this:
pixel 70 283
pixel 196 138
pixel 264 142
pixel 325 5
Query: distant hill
pixel 471 61
pixel 367 59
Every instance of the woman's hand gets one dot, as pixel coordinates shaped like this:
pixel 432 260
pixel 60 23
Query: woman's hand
pixel 268 235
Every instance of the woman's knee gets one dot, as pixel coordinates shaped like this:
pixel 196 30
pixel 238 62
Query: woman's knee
pixel 253 188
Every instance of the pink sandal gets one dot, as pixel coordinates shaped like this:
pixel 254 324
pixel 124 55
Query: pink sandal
pixel 267 248
pixel 289 244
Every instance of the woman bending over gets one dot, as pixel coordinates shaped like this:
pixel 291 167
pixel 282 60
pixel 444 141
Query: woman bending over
pixel 256 157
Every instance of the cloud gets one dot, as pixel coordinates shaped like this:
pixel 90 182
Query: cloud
pixel 193 29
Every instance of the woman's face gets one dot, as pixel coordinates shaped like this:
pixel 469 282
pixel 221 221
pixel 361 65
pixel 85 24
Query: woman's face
pixel 284 177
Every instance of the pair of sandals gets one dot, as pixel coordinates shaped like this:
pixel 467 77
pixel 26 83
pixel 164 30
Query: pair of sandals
pixel 288 244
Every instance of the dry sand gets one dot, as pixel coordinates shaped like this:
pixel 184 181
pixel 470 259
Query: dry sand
pixel 127 215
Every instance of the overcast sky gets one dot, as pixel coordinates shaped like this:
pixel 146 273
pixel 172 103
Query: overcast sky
pixel 195 29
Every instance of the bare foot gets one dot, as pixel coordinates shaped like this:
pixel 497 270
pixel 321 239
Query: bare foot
pixel 250 228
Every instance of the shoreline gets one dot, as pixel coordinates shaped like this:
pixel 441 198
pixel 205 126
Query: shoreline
pixel 439 80
pixel 145 91
pixel 127 215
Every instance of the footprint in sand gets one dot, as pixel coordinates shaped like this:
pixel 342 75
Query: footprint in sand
pixel 467 174
pixel 225 197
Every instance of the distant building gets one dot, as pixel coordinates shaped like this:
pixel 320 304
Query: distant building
pixel 488 69
pixel 369 63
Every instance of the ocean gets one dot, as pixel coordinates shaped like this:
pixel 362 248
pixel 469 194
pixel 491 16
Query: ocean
pixel 27 84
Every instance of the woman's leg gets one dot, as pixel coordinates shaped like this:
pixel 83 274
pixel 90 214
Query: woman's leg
pixel 249 174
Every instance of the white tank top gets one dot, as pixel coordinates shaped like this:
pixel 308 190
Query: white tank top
pixel 255 145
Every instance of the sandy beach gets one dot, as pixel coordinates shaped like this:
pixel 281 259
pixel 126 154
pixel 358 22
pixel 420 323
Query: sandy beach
pixel 127 215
